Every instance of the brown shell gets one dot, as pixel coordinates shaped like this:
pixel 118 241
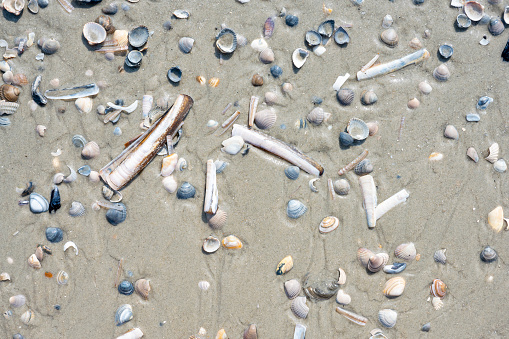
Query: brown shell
pixel 19 79
pixel 257 80
pixel 250 332
pixel 9 93
pixel 438 288
pixel 106 22
pixel 142 287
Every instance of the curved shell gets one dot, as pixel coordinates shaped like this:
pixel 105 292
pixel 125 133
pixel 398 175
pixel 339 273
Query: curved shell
pixel 91 150
pixel 441 73
pixel 27 317
pixel 94 33
pixel 496 26
pixel 345 139
pixel 116 215
pixel 186 44
pixel 364 167
pixel 226 41
pixel 299 307
pixel 54 234
pixel 406 251
pixel 446 51
pixel 387 317
pixel 292 288
pixel 271 98
pixel 326 28
pixel 138 36
pixel 357 129
pixel 34 262
pixel 8 108
pixel 345 96
pixel 394 287
pixel 341 187
pixel 343 298
pixel 377 262
pixel 79 141
pixel 265 118
pixel 9 93
pixel 123 314
pixel 438 288
pixel 77 209
pixel 17 300
pixel 182 164
pixel 291 20
pixel 84 105
pixel 14 6
pixel 4 276
pixel 341 36
pixel 483 102
pixel 500 166
pixel 257 80
pixel 233 145
pixel 462 21
pixel 133 59
pixel 493 153
pixel 106 22
pixel 285 265
pixel 203 285
pixel 488 254
pixel 62 278
pixel 373 127
pixel 217 220
pixel 368 97
pixel 38 203
pixel 440 257
pixel 211 244
pixel 390 37
pixel 328 224
pixel 474 10
pixel 292 172
pixel 313 38
pixel 395 268
pixel 250 332
pixel 317 116
pixel 142 287
pixel 267 56
pixel 232 242
pixel 125 287
pixel 363 255
pixel 170 184
pixel 186 191
pixel 299 57
pixel 295 209
pixel 50 46
pixel 174 74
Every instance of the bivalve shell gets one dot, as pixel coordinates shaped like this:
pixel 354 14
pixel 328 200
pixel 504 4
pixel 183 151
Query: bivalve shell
pixel 317 116
pixel 27 317
pixel 203 285
pixel 345 139
pixel 181 14
pixel 38 203
pixel 174 74
pixel 133 59
pixel 295 209
pixel 488 254
pixel 125 287
pixel 341 36
pixel 373 127
pixel 451 132
pixel 186 191
pixel 377 262
pixel 170 184
pixel 116 215
pixel 462 21
pixel 496 219
pixel 142 287
pixel 390 37
pixel 406 251
pixel 343 298
pixel 250 332
pixel 438 288
pixel 445 51
pixel 77 209
pixel 493 153
pixel 413 103
pixel 345 96
pixel 364 167
pixel 425 88
pixel 94 33
pixel 133 333
pixel 474 10
pixel 50 46
pixel 291 20
pixel 211 244
pixel 299 307
pixel 91 150
pixel 4 276
pixel 299 57
pixel 483 102
pixel 341 187
pixel 368 97
pixel 363 255
pixel 313 38
pixel 292 172
pixel 232 242
pixel 387 317
pixel 62 278
pixel 357 129
pixel 500 166
pixel 292 288
pixel 138 36
pixel 186 44
pixel 8 108
pixel 328 224
pixel 394 287
pixel 284 265
pixel 267 56
pixel 34 262
pixel 123 314
pixel 496 26
pixel 265 118
pixel 79 141
pixel 233 145
pixel 226 41
pixel 441 73
pixel 326 28
pixel 440 257
pixel 17 300
pixel 395 268
pixel 217 221
pixel 54 234
pixel 84 105
pixel 387 21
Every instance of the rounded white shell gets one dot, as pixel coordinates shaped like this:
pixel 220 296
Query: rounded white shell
pixel 387 317
pixel 94 33
pixel 265 119
pixel 292 288
pixel 474 10
pixel 299 307
pixel 17 300
pixel 299 57
pixel 394 287
pixel 233 145
pixel 84 105
pixel 317 116
pixel 211 244
pixel 203 285
pixel 343 298
pixel 170 184
pixel 425 88
pixel 91 150
pixel 328 224
pixel 406 251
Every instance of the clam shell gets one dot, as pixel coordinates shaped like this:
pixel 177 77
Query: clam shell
pixel 299 57
pixel 17 300
pixel 345 139
pixel 38 203
pixel 440 257
pixel 125 287
pixel 54 234
pixel 441 73
pixel 317 116
pixel 174 74
pixel 84 105
pixel 181 14
pixel 496 219
pixel 85 170
pixel 292 172
pixel 77 209
pixel 265 118
pixel 395 268
pixel 328 224
pixel 438 288
pixel 232 242
pixel 51 46
pixel 387 21
pixel 186 191
pixel 483 102
pixel 493 153
pixel 445 51
pixel 406 251
pixel 203 285
pixel 170 184
pixel 341 187
pixel 341 36
pixel 220 165
pixel 357 129
pixel 394 287
pixel 90 150
pixel 426 327
pixel 27 317
pixel 226 41
pixel 368 97
pixel 110 9
pixel 9 93
pixel 474 10
pixel 373 127
pixel 62 278
pixel 217 221
pixel 364 167
pixel 285 265
pixel 267 56
pixel 353 317
pixel 363 255
pixel 343 298
pixel 500 166
pixel 133 333
pixel 79 141
pixel 276 71
pixel 425 88
pixel 496 26
pixel 133 59
pixel 377 262
pixel 451 132
pixel 250 332
pixel 259 44
pixel 488 254
pixel 94 33
pixel 116 215
pixel 186 44
pixel 299 307
pixel 8 108
pixel 326 28
pixel 142 287
pixel 138 36
pixel 271 98
pixel 313 38
pixel 295 209
pixel 123 314
pixel 413 103
pixel 211 244
pixel 387 317
pixel 462 21
pixel 233 145
pixel 291 20
pixel 34 262
pixel 4 276
pixel 292 288
pixel 345 96
pixel 390 37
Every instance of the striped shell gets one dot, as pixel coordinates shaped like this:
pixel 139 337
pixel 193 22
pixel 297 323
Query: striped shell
pixel 226 41
pixel 394 287
pixel 292 172
pixel 186 191
pixel 496 26
pixel 284 265
pixel 406 251
pixel 9 93
pixel 203 285
pixel 169 164
pixel 292 288
pixel 363 255
pixel 295 209
pixel 317 116
pixel 217 220
pixel 79 141
pixel 440 257
pixel 220 165
pixel 493 153
pixel 123 314
pixel 387 317
pixel 364 167
pixel 353 317
pixel 27 317
pixel 17 300
pixel 62 278
pixel 299 307
pixel 488 254
pixel 8 108
pixel 390 37
pixel 142 287
pixel 345 96
pixel 186 44
pixel 441 73
pixel 328 224
pixel 265 119
pixel 395 268
pixel 211 244
pixel 232 242
pixel 438 288
pixel 377 262
pixel 77 209
pixel 90 150
pixel 368 97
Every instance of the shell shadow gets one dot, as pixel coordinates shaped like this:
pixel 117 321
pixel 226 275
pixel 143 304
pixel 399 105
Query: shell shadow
pixel 11 17
pixel 85 4
pixel 441 58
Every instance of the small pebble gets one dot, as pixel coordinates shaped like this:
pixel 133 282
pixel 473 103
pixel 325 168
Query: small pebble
pixel 43 3
pixel 39 57
pixel 291 20
pixel 110 9
pixel 117 131
pixel 125 7
pixel 167 25
pixel 473 117
pixel 426 327
pixel 89 73
pixel 316 100
pixel 451 132
pixel 54 82
pixel 109 56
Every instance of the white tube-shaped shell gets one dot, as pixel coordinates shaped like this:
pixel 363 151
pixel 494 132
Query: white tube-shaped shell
pixel 134 333
pixel 394 65
pixel 211 194
pixel 368 189
pixel 146 104
pixel 389 203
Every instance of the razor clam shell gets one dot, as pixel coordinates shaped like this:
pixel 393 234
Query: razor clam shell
pixel 134 333
pixel 406 251
pixel 295 209
pixel 368 189
pixel 211 193
pixel 123 314
pixel 440 257
pixel 299 307
pixel 292 288
pixel 387 317
pixel 389 203
pixel 38 97
pixel 72 245
pixel 394 287
pixel 300 332
pixel 84 91
pixel 353 317
pixel 395 268
pixel 17 300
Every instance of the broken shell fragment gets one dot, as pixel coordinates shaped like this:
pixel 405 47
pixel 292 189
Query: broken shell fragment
pixel 326 28
pixel 406 251
pixel 299 57
pixel 395 268
pixel 364 167
pixel 34 262
pixel 203 285
pixel 72 245
pixel 413 103
pixel 233 145
pixel 226 41
pixel 483 102
pixel 284 265
pixel 91 150
pixel 4 276
pixel 437 303
pixel 211 244
pixel 394 287
pixel 292 288
pixel 134 333
pixel 328 224
pixel 299 307
pixel 496 219
pixel 40 130
pixel 232 242
pixel 170 184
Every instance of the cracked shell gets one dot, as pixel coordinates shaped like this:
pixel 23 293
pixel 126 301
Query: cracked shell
pixel 326 28
pixel 299 57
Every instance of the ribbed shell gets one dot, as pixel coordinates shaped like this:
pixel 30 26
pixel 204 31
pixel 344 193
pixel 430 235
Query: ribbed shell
pixel 116 216
pixel 9 93
pixel 186 191
pixel 317 116
pixel 345 96
pixel 292 288
pixel 328 224
pixel 441 73
pixel 8 108
pixel 299 307
pixel 79 141
pixel 217 220
pixel 142 287
pixel 326 28
pixel 488 254
pixel 390 37
pixel 368 97
pixel 285 265
pixel 123 314
pixel 395 268
pixel 394 287
pixel 496 26
pixel 387 317
pixel 62 278
pixel 125 287
pixel 493 153
pixel 357 129
pixel 91 150
pixel 295 209
pixel 226 41
pixel 292 172
pixel 211 244
pixel 377 262
pixel 363 255
pixel 438 288
pixel 440 257
pixel 363 167
pixel 17 300
pixel 203 285
pixel 265 119
pixel 186 44
pixel 406 251
pixel 77 209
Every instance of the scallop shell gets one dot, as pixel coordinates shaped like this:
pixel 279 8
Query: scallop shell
pixel 186 191
pixel 493 153
pixel 27 317
pixel 292 288
pixel 437 303
pixel 292 172
pixel 285 265
pixel 186 44
pixel 299 307
pixel 438 288
pixel 62 278
pixel 368 97
pixel 326 28
pixel 364 167
pixel 488 254
pixel 390 37
pixel 345 96
pixel 343 298
pixel 377 262
pixel 138 36
pixel 328 224
pixel 363 255
pixel 123 314
pixel 8 108
pixel 77 209
pixel 295 209
pixel 313 38
pixel 440 257
pixel 496 219
pixel 226 41
pixel 211 244
pixel 34 262
pixel 170 184
pixel 357 129
pixel 84 105
pixel 265 119
pixel 91 150
pixel 341 37
pixel 474 10
pixel 250 332
pixel 317 116
pixel 406 251
pixel 217 220
pixel 267 56
pixel 441 73
pixel 203 285
pixel 94 33
pixel 299 57
pixel 50 46
pixel 394 287
pixel 232 242
pixel 142 287
pixel 387 317
pixel 9 93
pixel 17 300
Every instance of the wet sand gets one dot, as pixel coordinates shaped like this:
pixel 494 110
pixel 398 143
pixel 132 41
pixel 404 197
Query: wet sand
pixel 162 236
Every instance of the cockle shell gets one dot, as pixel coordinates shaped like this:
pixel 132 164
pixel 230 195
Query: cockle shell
pixel 317 116
pixel 94 33
pixel 438 288
pixel 203 285
pixel 27 317
pixel 363 255
pixel 284 265
pixel 8 108
pixel 142 287
pixel 496 219
pixel 406 251
pixel 328 224
pixel 292 288
pixel 440 257
pixel 217 221
pixel 123 314
pixel 368 97
pixel 17 300
pixel 358 129
pixel 91 150
pixel 232 242
pixel 437 303
pixel 77 209
pixel 84 105
pixel 493 153
pixel 345 96
pixel 387 317
pixel 211 244
pixel 474 10
pixel 441 73
pixel 186 44
pixel 34 262
pixel 295 209
pixel 292 172
pixel 265 118
pixel 233 145
pixel 390 37
pixel 363 167
pixel 170 184
pixel 299 307
pixel 267 56
pixel 343 298
pixel 394 287
pixel 299 57
pixel 377 262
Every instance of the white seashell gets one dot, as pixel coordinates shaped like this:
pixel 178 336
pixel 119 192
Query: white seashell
pixel 493 153
pixel 368 189
pixel 146 104
pixel 17 300
pixel 328 224
pixel 474 10
pixel 71 177
pixel 71 244
pixel 319 50
pixel 134 333
pixel 123 314
pixel 425 88
pixel 317 116
pixel 500 166
pixel 437 303
pixel 90 150
pixel 204 285
pixel 34 262
pixel 271 98
pixel 387 21
pixel 233 145
pixel 343 298
pixel 292 288
pixel 299 333
pixel 265 119
pixel 170 184
pixel 496 219
pixel 394 287
pixel 299 57
pixel 181 14
pixel 169 164
pixel 84 105
pixel 387 317
pixel 94 176
pixel 58 178
pixel 358 129
pixel 299 307
pixel 40 130
pixel 4 276
pixel 406 251
pixel 211 193
pixel 353 317
pixel 62 278
pixel 259 44
pixel 77 209
pixel 388 204
pixel 94 33
pixel 27 317
pixel 312 186
pixel 295 209
pixel 211 244
pixel 340 81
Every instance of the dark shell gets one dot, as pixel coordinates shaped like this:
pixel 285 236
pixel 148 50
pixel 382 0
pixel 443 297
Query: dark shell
pixel 110 9
pixel 167 25
pixel 268 28
pixel 133 59
pixel 138 37
pixel 395 268
pixel 38 97
pixel 125 288
pixel 496 26
pixel 174 74
pixel 54 203
pixel 291 20
pixel 446 51
pixel 313 38
pixel 345 96
pixel 54 234
pixel 364 167
pixel 276 71
pixel 186 191
pixel 33 6
pixel 319 287
pixel 488 254
pixel 345 139
pixel 341 36
pixel 28 190
pixel 116 216
pixel 43 3
pixel 106 22
pixel 326 28
pixel 505 52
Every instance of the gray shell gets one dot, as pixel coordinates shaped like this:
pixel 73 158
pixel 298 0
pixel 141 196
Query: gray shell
pixel 426 327
pixel 226 41
pixel 387 317
pixel 313 38
pixel 473 117
pixel 18 336
pixel 292 172
pixel 186 191
pixel 446 50
pixel 174 74
pixel 395 268
pixel 488 254
pixel 77 209
pixel 85 170
pixel 320 288
pixel 368 98
pixel 186 44
pixel 50 46
pixel 134 58
pixel 345 96
pixel 341 36
pixel 326 28
pixel 441 73
pixel 364 167
pixel 496 26
pixel 220 166
pixel 295 209
pixel 299 307
pixel 38 203
pixel 54 234
pixel 123 314
pixel 33 6
pixel 79 140
pixel 440 257
pixel 345 139
pixel 125 288
pixel 462 21
pixel 292 288
pixel 483 102
pixel 116 216
pixel 341 187
pixel 138 37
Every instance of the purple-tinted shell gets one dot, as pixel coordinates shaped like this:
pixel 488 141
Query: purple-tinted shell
pixel 268 28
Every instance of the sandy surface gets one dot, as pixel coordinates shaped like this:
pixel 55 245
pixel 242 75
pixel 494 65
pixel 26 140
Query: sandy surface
pixel 161 238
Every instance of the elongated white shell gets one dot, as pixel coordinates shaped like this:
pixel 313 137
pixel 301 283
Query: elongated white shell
pixel 133 333
pixel 211 194
pixel 388 204
pixel 233 145
pixel 299 307
pixel 353 317
pixel 368 189
pixel 292 288
pixel 394 65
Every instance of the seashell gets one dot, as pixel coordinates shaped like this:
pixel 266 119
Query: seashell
pixel 345 96
pixel 425 88
pixel 220 165
pixel 363 167
pixel 134 333
pixel 120 38
pixel 181 164
pixel 474 10
pixel 4 276
pixel 363 255
pixel 170 184
pixel 368 97
pixel 387 317
pixel 38 203
pixel 94 176
pixel 125 287
pixel 395 268
pixel 203 285
pixel 346 139
pixel 123 314
pixel 284 265
pixel 451 132
pixel 110 9
pixel 292 288
pixel 462 21
pixel 326 28
pixel 8 77
pixel 483 102
pixel 186 44
pixel 472 117
pixel 117 214
pixel 62 278
pixel 312 186
pixel 58 178
pixel 186 191
pixel 40 130
pixel 437 303
pixel 54 234
pixel 94 33
pixel 54 203
pixel 232 242
pixel 276 71
pixel 343 298
pixel 9 93
pixel 181 14
pixel 299 307
pixel 341 187
pixel 265 119
pixel 13 6
pixel 267 56
pixel 328 224
pixel 292 172
pixel 146 105
pixel 413 103
pixel 7 107
pixel 133 59
pixel 496 26
pixel 19 79
pixel 34 262
pixel 441 73
pixel 317 116
pixel 221 334
pixel 250 332
pixel 291 20
pixel 438 288
pixel 271 98
pixel 70 244
pixel 268 28
pixel 377 262
pixel 286 87
pixel 106 22
pixel 472 154
pixel 506 14
pixel 17 300
pixel 226 41
pixel 90 150
pixel 169 164
pixel 488 254
pixel 27 317
pixel 496 219
pixel 259 44
pixel 217 220
pixel 390 37
pixel 387 21
pixel 233 145
pixel 341 277
pixel 440 257
pixel 79 141
pixel 299 57
pixel 174 74
pixel 84 170
pixel 353 317
pixel 257 80
pixel 493 153
pixel 313 38
pixel 500 166
pixel 341 36
pixel 394 287
pixel 357 129
pixel 211 244
pixel 138 36
pixel 445 51
pixel 84 105
pixel 295 209
pixel 142 287
pixel 406 251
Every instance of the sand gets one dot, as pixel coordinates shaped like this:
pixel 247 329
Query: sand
pixel 162 236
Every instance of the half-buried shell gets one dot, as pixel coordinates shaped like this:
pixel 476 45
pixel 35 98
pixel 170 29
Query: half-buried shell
pixel 328 224
pixel 226 41
pixel 406 251
pixel 62 278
